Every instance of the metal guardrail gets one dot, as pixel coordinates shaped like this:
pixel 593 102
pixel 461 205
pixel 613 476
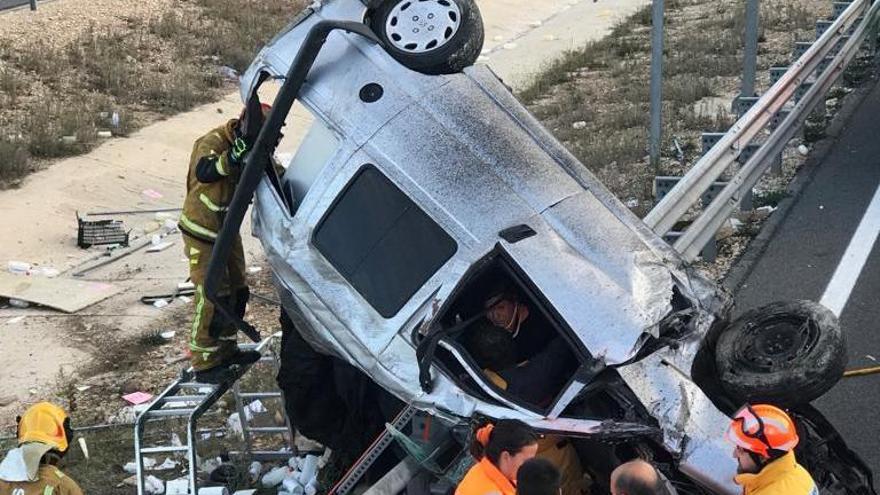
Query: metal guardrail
pixel 846 30
pixel 11 4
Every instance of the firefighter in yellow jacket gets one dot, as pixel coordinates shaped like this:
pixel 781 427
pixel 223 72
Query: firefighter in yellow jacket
pixel 214 169
pixel 764 437
pixel 44 437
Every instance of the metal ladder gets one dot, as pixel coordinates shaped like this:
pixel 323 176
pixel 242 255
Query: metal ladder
pixel 188 399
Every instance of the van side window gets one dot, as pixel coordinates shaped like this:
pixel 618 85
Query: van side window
pixel 384 245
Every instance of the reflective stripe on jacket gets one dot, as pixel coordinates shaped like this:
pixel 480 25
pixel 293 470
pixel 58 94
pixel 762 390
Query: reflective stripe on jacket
pixel 784 476
pixel 206 202
pixel 484 479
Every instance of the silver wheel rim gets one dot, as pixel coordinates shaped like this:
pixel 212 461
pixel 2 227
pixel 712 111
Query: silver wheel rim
pixel 419 26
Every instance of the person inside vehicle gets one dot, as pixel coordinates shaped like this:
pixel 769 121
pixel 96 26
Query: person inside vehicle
pixel 765 437
pixel 504 309
pixel 638 477
pixel 44 437
pixel 538 477
pixel 536 381
pixel 500 449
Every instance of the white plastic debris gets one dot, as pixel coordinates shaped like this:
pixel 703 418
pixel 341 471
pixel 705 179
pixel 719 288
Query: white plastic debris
pixel 158 247
pixel 180 486
pixel 254 269
pixel 255 469
pixel 175 440
pixel 255 407
pixel 83 446
pixel 131 467
pixel 632 202
pixel 275 476
pixel 167 464
pixel 105 134
pixel 154 485
pixel 803 150
pixel 168 334
pixel 184 299
pixel 245 492
pixel 580 124
pixel 325 458
pixel 309 470
pixel 292 485
pixel 213 490
pixel 233 424
pixel 45 271
pixel 18 303
pixel 160 303
pixel 209 465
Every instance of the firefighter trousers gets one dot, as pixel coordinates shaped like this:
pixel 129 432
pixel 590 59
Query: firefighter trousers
pixel 212 337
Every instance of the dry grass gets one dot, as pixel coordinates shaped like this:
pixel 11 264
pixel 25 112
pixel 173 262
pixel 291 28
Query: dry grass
pixel 596 99
pixel 140 70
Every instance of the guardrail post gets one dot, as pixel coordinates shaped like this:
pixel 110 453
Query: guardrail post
pixel 656 82
pixel 750 54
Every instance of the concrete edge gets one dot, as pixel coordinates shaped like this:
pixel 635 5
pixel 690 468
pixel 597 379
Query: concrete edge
pixel 744 265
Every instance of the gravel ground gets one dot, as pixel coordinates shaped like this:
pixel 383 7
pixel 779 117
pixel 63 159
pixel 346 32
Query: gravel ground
pixel 60 21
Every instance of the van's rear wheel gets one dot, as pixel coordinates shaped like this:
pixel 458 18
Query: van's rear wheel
pixel 430 36
pixel 784 353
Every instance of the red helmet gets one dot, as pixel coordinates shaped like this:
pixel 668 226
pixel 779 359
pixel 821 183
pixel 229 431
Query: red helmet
pixel 762 427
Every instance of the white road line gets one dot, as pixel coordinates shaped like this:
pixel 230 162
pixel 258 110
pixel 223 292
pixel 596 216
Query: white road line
pixel 847 273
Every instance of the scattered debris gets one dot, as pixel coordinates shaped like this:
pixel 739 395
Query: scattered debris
pixel 580 124
pixel 62 294
pixel 136 398
pixel 161 246
pixel 82 388
pixel 179 486
pixel 83 447
pixel 632 203
pixel 18 303
pixel 160 303
pixel 254 269
pixel 154 485
pixel 105 134
pixel 151 194
pixel 19 267
pixel 100 232
pixel 168 334
pixel 131 212
pixel 803 150
pixel 131 467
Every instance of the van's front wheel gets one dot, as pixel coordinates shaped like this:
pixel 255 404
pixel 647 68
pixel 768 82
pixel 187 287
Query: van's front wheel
pixel 430 36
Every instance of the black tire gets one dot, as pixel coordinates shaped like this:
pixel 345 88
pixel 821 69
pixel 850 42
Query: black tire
pixel 456 44
pixel 785 353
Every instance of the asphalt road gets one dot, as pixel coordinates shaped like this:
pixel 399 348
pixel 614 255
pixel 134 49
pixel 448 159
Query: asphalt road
pixel 805 252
